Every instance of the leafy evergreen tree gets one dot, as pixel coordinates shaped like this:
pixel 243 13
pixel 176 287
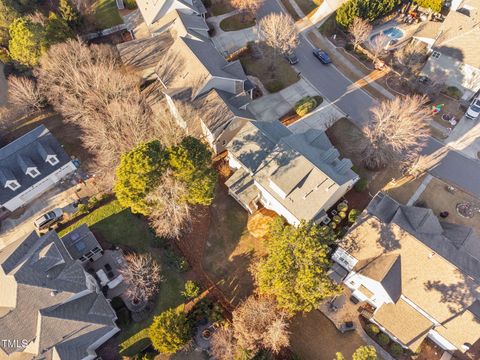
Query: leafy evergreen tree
pixel 346 13
pixel 295 269
pixel 25 42
pixel 69 13
pixel 435 5
pixel 169 332
pixel 365 353
pixel 191 163
pixel 372 10
pixel 8 13
pixel 138 173
pixel 56 31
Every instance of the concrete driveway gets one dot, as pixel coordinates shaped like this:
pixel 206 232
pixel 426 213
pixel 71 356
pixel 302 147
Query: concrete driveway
pixel 20 225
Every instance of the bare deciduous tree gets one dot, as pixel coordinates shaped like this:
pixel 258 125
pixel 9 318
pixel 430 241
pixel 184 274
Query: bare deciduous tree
pixel 169 64
pixel 23 92
pixel 411 57
pixel 170 214
pixel 257 323
pixel 279 32
pixel 143 275
pixel 397 131
pixel 90 88
pixel 247 6
pixel 377 45
pixel 224 345
pixel 360 30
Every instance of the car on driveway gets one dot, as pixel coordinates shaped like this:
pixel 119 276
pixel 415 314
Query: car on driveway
pixel 48 219
pixel 347 326
pixel 474 109
pixel 292 58
pixel 322 56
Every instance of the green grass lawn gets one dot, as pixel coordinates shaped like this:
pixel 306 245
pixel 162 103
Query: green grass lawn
pixel 273 78
pixel 237 22
pixel 106 14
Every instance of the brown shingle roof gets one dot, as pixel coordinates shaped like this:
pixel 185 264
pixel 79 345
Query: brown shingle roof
pixel 404 322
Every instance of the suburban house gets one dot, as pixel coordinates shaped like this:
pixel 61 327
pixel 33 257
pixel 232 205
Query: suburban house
pixel 455 54
pixel 420 274
pixel 50 307
pixel 299 176
pixel 153 10
pixel 31 165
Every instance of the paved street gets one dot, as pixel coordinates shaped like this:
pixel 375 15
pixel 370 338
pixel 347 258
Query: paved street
pixel 328 80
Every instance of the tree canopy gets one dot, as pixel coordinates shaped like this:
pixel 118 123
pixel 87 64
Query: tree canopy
pixel 56 31
pixel 68 13
pixel 26 38
pixel 191 163
pixel 170 331
pixel 138 173
pixel 435 5
pixel 295 269
pixel 366 9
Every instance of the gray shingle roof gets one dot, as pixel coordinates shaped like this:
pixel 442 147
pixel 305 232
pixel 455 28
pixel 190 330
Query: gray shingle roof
pixel 54 299
pixel 29 150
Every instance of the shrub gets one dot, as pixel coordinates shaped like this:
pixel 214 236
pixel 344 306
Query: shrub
pixel 352 215
pixel 372 330
pixel 130 4
pixel 396 349
pixel 349 46
pixel 191 290
pixel 333 225
pixel 342 214
pixel 275 86
pixel 337 219
pixel 361 185
pixel 169 332
pixel 342 207
pixel 224 170
pixel 305 105
pixel 454 92
pixel 179 263
pixel 383 339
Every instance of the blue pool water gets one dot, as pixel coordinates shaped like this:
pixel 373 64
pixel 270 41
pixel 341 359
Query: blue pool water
pixel 393 33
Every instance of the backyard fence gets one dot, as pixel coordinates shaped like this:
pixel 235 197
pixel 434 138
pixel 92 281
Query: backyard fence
pixel 104 32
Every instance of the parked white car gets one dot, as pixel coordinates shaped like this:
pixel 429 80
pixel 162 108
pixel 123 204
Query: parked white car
pixel 474 109
pixel 48 219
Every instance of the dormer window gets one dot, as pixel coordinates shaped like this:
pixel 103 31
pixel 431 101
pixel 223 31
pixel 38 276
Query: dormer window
pixel 33 172
pixel 53 160
pixel 13 185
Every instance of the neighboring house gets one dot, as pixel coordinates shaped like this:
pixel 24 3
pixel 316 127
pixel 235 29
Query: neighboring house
pixel 50 307
pixel 299 176
pixel 455 50
pixel 154 10
pixel 420 274
pixel 31 165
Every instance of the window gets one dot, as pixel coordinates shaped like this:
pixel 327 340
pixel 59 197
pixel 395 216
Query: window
pixel 14 185
pixel 53 160
pixel 436 55
pixel 33 172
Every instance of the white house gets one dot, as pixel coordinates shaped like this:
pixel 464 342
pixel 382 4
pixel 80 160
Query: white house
pixel 455 47
pixel 420 274
pixel 299 176
pixel 31 165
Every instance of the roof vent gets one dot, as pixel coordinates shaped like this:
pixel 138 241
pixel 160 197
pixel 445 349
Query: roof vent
pixel 53 292
pixel 431 255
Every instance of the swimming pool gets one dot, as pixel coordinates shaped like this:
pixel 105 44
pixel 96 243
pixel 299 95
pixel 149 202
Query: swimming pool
pixel 393 33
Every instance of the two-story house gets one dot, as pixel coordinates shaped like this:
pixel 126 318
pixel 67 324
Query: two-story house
pixel 299 176
pixel 29 166
pixel 420 274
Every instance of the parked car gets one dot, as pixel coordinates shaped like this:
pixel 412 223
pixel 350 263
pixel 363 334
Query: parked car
pixel 48 219
pixel 474 109
pixel 292 58
pixel 322 56
pixel 347 326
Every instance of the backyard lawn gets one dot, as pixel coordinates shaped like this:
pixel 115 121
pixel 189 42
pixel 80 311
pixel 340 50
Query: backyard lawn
pixel 237 22
pixel 106 14
pixel 220 7
pixel 273 77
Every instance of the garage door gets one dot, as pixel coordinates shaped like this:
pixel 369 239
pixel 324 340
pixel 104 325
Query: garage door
pixel 37 190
